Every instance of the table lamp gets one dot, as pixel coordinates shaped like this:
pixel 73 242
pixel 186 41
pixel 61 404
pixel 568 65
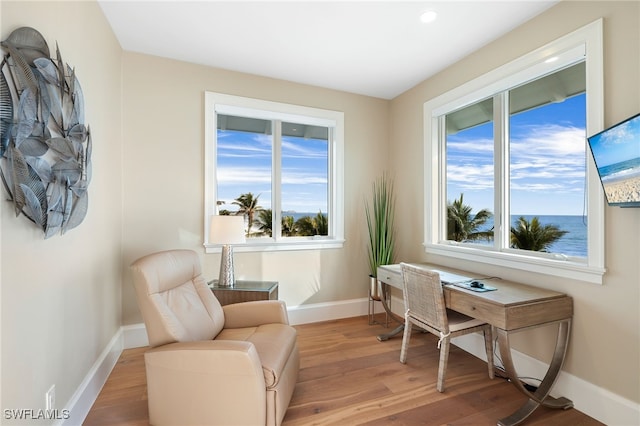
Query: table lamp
pixel 226 230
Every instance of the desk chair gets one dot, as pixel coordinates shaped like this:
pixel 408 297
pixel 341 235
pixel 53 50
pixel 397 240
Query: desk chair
pixel 425 307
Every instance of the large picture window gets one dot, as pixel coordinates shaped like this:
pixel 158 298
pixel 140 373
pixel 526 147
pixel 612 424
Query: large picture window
pixel 278 166
pixel 509 180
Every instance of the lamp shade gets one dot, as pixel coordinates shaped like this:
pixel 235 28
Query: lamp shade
pixel 226 230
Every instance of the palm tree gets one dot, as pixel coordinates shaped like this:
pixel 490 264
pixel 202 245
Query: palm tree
pixel 288 226
pixel 265 222
pixel 310 226
pixel 322 225
pixel 533 236
pixel 305 226
pixel 462 225
pixel 248 206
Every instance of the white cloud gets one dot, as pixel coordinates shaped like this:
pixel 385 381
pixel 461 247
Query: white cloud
pixel 242 175
pixel 620 134
pixel 261 146
pixel 289 178
pixel 547 158
pixel 293 150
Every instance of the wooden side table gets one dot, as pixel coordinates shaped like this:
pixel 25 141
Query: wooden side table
pixel 245 291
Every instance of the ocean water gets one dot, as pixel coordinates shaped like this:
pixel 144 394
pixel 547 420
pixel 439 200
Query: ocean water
pixel 622 170
pixel 573 243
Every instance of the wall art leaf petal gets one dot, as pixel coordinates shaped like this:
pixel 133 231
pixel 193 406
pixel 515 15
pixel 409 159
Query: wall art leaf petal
pixel 23 69
pixel 78 212
pixel 41 167
pixel 55 193
pixel 20 175
pixel 34 146
pixel 47 69
pixel 63 147
pixel 6 114
pixel 64 171
pixel 29 42
pixel 32 203
pixel 78 98
pixel 61 79
pixel 27 115
pixel 45 103
pixel 78 133
pixel 54 222
pixel 68 206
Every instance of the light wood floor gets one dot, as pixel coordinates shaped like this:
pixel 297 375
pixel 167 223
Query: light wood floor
pixel 347 377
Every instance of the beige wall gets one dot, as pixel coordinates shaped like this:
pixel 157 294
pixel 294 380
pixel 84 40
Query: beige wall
pixel 61 297
pixel 163 110
pixel 605 342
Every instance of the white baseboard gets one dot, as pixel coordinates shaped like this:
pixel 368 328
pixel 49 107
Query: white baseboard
pixel 599 403
pixel 86 394
pixel 305 314
pixel 134 336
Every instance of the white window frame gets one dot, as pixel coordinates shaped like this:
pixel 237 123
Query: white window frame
pixel 583 43
pixel 219 103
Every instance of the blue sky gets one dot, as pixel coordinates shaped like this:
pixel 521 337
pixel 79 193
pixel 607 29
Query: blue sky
pixel 548 151
pixel 618 144
pixel 245 165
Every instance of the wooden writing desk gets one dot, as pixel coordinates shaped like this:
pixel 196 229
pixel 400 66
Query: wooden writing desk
pixel 511 308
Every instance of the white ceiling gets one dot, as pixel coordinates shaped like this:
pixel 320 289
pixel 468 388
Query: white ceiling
pixel 375 48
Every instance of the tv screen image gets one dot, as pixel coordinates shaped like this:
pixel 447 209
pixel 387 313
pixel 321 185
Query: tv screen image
pixel 616 152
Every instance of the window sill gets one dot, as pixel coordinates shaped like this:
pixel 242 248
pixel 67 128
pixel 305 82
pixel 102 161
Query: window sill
pixel 248 247
pixel 553 267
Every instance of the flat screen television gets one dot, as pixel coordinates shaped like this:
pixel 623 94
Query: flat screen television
pixel 616 152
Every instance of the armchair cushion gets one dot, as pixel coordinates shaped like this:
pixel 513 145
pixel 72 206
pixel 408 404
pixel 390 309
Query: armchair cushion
pixel 273 342
pixel 175 302
pixel 251 314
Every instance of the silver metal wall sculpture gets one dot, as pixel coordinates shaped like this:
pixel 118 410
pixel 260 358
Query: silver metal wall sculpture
pixel 45 146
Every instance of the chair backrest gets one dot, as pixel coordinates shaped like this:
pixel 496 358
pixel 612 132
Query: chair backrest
pixel 175 301
pixel 423 297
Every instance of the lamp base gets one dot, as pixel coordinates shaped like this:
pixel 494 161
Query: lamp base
pixel 226 278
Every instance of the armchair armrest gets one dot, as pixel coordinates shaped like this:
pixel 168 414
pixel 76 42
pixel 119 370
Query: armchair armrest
pixel 184 383
pixel 253 314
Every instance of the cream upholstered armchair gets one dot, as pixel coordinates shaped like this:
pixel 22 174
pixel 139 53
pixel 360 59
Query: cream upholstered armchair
pixel 209 364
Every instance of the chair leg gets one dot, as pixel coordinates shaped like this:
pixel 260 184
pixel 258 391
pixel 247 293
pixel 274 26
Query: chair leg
pixel 442 367
pixel 406 336
pixel 488 344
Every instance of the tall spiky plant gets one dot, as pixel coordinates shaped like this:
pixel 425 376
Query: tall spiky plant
pixel 380 222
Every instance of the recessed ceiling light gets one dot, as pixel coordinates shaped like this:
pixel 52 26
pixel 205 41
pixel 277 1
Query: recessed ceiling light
pixel 428 16
pixel 551 59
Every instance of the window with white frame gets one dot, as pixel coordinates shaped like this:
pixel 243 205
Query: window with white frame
pixel 509 180
pixel 277 165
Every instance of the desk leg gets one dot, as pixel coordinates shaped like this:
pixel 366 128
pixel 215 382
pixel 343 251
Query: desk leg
pixel 541 395
pixel 385 304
